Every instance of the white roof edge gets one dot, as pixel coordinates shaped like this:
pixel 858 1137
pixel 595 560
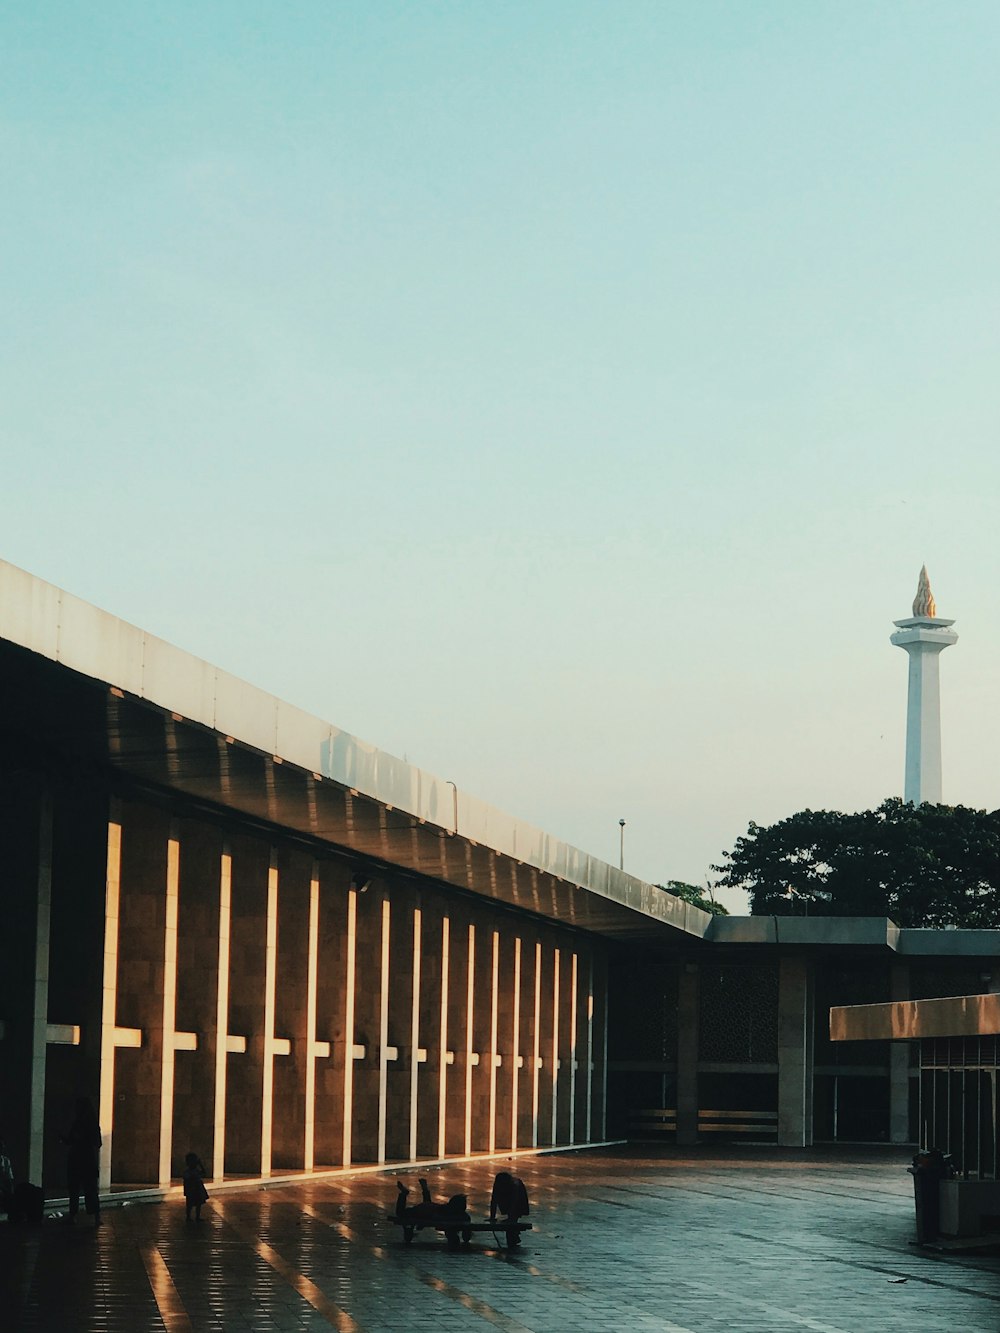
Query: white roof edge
pixel 46 620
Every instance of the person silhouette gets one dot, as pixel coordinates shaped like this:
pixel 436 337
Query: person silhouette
pixel 446 1216
pixel 83 1139
pixel 195 1193
pixel 509 1198
pixel 6 1180
pixel 427 1210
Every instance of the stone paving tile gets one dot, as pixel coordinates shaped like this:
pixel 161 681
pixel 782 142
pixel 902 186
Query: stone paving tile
pixel 741 1241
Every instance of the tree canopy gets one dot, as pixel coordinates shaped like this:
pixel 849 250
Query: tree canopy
pixel 691 893
pixel 926 865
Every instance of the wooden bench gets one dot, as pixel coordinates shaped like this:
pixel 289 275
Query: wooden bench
pixel 652 1122
pixel 762 1124
pixel 459 1232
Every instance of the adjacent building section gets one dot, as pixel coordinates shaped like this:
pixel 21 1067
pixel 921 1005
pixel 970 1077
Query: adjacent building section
pixel 730 1040
pixel 958 1040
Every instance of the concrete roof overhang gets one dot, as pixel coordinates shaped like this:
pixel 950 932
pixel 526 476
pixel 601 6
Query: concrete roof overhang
pixel 85 687
pixel 904 1020
pixel 862 934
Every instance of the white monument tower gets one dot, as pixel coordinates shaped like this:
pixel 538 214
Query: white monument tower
pixel 924 635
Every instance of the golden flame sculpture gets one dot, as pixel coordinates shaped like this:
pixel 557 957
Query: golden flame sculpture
pixel 923 603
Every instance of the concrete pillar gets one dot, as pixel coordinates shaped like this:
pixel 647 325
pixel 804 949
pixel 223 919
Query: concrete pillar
pixel 399 1056
pixel 536 1045
pixel 565 1019
pixel 371 961
pixel 109 993
pixel 75 968
pixel 40 993
pixel 416 1054
pixel 168 1026
pixel 443 1044
pixel 334 1025
pixel 795 1062
pixel 457 1092
pixel 267 1036
pixel 516 1059
pixel 899 1064
pixel 429 1025
pixel 220 1028
pixel 382 1047
pixel 18 893
pixel 687 1053
pixel 188 1083
pixel 252 907
pixel 505 1055
pixel 599 1087
pixel 350 1024
pixel 555 1050
pixel 292 1039
pixel 493 1050
pixel 312 1044
pixel 527 1068
pixel 588 1053
pixel 470 1053
pixel 480 1069
pixel 147 889
pixel 547 1042
pixel 574 1030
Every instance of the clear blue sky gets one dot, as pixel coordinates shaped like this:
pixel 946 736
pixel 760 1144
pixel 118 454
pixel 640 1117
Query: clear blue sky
pixel 563 395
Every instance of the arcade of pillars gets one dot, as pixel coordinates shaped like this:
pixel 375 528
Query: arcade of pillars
pixel 261 1007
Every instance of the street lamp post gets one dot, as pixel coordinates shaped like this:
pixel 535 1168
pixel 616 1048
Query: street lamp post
pixel 791 894
pixel 621 845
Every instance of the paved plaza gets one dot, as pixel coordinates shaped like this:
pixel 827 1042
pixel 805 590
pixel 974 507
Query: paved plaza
pixel 753 1240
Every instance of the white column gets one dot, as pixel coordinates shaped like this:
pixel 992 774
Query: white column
pixel 270 978
pixel 415 1033
pixel 555 1044
pixel 516 1045
pixel 383 1032
pixel 536 1054
pixel 573 1018
pixel 169 1008
pixel 590 1050
pixel 222 1014
pixel 443 1037
pixel 604 1059
pixel 40 1005
pixel 469 1015
pixel 352 941
pixel 312 968
pixel 494 1023
pixel 109 1001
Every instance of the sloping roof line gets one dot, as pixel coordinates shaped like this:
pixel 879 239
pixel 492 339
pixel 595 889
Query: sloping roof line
pixel 46 620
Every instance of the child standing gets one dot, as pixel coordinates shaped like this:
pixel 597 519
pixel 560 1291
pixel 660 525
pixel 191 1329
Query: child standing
pixel 195 1193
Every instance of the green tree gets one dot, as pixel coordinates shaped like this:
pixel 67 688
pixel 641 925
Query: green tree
pixel 927 865
pixel 692 894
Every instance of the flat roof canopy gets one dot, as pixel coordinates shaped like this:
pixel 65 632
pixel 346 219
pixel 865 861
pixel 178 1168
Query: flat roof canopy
pixel 81 684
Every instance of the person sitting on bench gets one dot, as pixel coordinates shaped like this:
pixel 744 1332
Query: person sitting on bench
pixel 509 1198
pixel 427 1212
